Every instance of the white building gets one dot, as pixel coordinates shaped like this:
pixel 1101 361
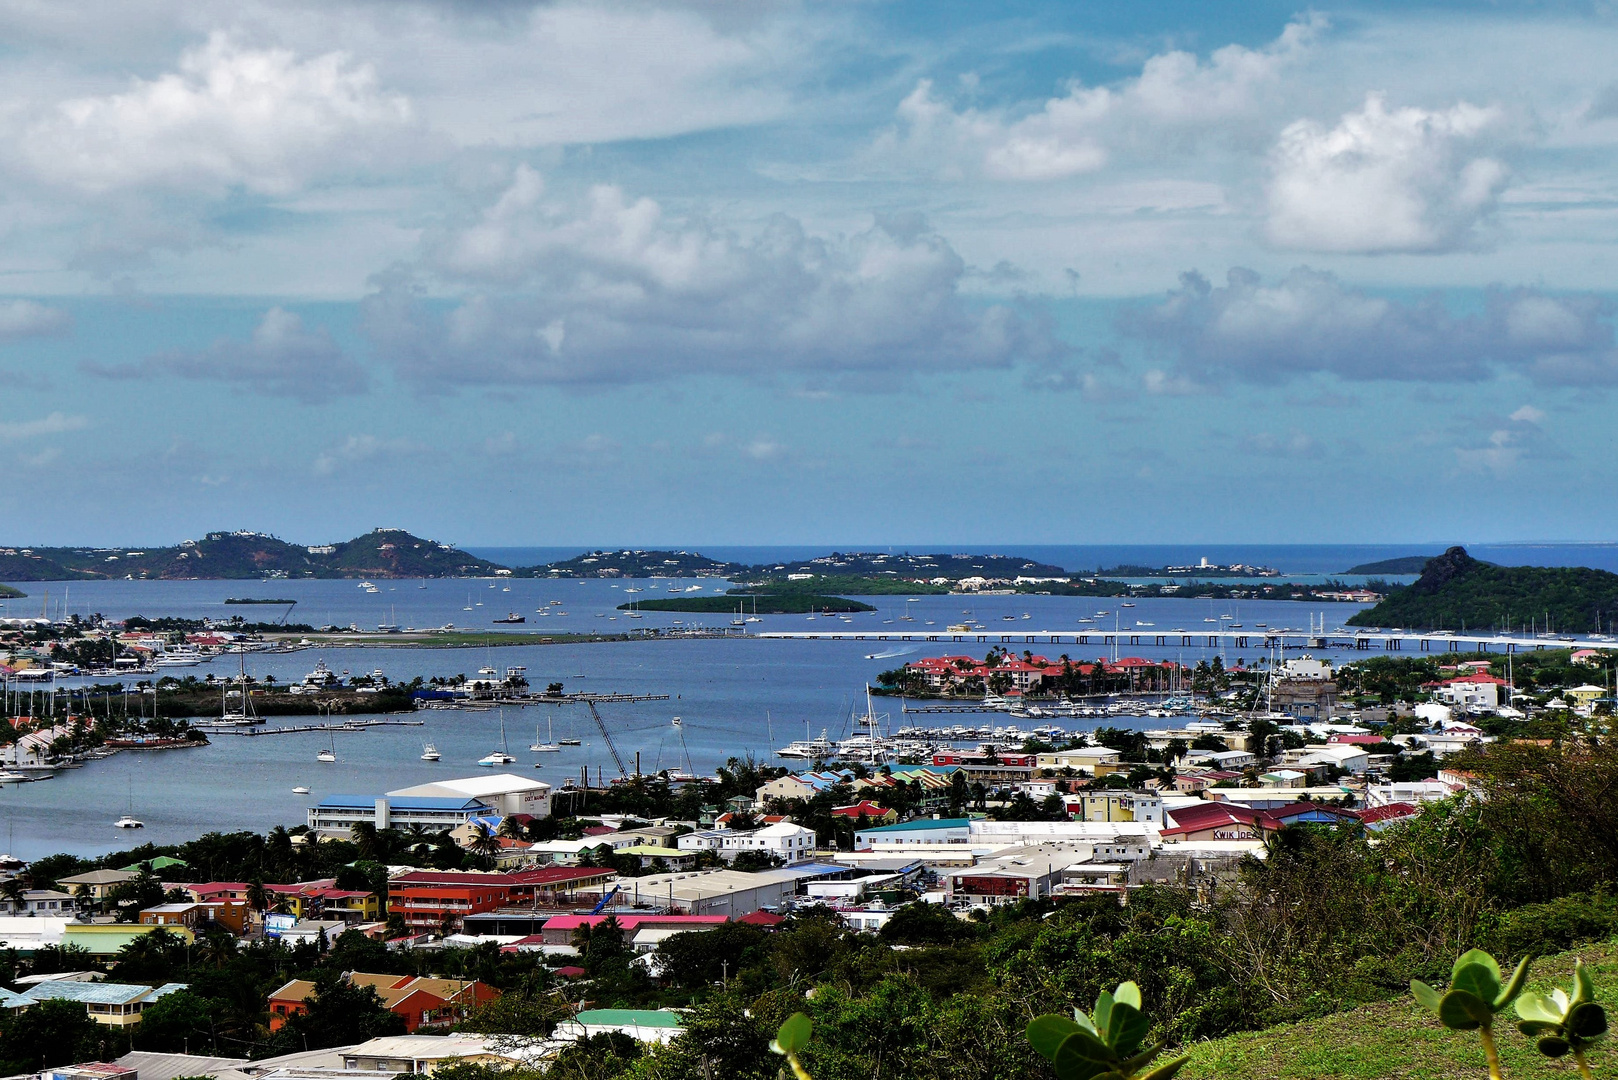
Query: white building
pixel 505 793
pixel 1345 756
pixel 1219 759
pixel 791 843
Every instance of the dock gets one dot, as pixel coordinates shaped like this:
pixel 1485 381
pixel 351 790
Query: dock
pixel 1387 641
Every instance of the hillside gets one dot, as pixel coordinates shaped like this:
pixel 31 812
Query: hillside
pixel 1456 591
pixel 8 593
pixel 388 553
pixel 1405 564
pixel 637 564
pixel 786 602
pixel 1398 1040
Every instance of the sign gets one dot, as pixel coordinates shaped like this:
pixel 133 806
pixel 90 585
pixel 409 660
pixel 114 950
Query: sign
pixel 276 923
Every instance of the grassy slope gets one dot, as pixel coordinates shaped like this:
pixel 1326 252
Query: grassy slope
pixel 1399 1041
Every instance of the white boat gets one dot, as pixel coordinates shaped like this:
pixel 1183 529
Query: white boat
pixel 809 748
pixel 128 822
pixel 550 745
pixel 500 756
pixel 300 790
pixel 326 755
pixel 430 753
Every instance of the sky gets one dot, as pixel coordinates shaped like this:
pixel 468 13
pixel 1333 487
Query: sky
pixel 510 273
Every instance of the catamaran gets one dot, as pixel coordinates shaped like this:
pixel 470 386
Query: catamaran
pixel 500 756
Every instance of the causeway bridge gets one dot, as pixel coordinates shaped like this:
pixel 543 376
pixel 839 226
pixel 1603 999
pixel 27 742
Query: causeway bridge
pixel 1360 640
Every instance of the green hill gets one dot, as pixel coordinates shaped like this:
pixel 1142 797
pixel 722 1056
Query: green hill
pixel 1405 564
pixel 1398 1040
pixel 8 593
pixel 387 553
pixel 1456 591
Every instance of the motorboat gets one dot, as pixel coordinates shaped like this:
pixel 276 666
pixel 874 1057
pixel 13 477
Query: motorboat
pixel 430 753
pixel 300 790
pixel 808 748
pixel 513 617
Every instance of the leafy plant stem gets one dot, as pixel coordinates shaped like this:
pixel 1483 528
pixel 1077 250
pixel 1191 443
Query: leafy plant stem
pixel 797 1068
pixel 1584 1066
pixel 1490 1053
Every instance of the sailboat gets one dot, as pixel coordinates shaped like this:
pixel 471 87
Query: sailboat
pixel 328 753
pixel 500 756
pixel 243 712
pixel 550 745
pixel 129 821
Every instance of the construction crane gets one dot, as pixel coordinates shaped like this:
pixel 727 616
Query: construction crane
pixel 589 701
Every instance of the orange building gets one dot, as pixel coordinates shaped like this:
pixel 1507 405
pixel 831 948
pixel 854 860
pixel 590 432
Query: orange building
pixel 422 1002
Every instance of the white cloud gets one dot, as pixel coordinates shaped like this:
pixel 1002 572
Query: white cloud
pixel 1310 321
pixel 1382 180
pixel 56 423
pixel 362 448
pixel 28 318
pixel 261 119
pixel 614 289
pixel 1081 130
pixel 1527 414
pixel 282 358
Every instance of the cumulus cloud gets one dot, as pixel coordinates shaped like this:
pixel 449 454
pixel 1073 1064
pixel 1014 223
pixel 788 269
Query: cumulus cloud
pixel 1079 131
pixel 28 318
pixel 56 423
pixel 357 449
pixel 232 116
pixel 1385 180
pixel 282 358
pixel 1310 321
pixel 613 289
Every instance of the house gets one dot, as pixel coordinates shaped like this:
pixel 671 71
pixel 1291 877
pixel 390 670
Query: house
pixel 432 905
pixel 876 815
pixel 1142 806
pixel 1219 759
pixel 1475 691
pixel 187 915
pixel 642 1025
pixel 420 1055
pixel 1377 818
pixel 801 785
pixel 651 855
pixel 422 1002
pixel 1585 697
pixel 1587 657
pixel 97 883
pixel 112 1004
pixel 1227 821
pixel 1082 760
pixel 1349 758
pixel 38 902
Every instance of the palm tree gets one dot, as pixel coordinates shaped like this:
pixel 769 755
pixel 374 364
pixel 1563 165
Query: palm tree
pixel 363 833
pixel 484 842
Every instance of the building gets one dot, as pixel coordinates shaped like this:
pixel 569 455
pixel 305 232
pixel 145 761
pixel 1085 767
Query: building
pixel 870 811
pixel 1346 756
pixel 919 831
pixel 436 905
pixel 1142 806
pixel 559 929
pixel 1303 696
pixel 97 883
pixel 438 806
pixel 642 1025
pixel 422 1002
pixel 113 1004
pixel 38 902
pixel 186 915
pixel 1082 760
pixel 420 1055
pixel 1474 692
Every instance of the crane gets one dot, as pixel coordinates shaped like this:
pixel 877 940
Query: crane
pixel 589 701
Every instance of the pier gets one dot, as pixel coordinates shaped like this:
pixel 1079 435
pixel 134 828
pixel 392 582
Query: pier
pixel 356 725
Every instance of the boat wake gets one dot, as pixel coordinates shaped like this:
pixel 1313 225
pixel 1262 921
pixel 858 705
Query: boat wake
pixel 892 653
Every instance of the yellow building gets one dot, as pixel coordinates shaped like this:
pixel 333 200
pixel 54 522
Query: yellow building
pixel 105 939
pixel 113 1004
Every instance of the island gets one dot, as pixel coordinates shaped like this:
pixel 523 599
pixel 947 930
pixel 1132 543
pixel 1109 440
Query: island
pixel 744 602
pixel 1203 569
pixel 1456 591
pixel 1405 564
pixel 8 593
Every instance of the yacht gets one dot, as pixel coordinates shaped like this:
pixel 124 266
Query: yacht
pixel 569 742
pixel 300 790
pixel 430 753
pixel 326 755
pixel 959 628
pixel 549 746
pixel 500 756
pixel 128 822
pixel 809 748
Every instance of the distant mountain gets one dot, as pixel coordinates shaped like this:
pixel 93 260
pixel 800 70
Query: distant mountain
pixel 1405 564
pixel 636 563
pixel 1456 591
pixel 862 565
pixel 386 553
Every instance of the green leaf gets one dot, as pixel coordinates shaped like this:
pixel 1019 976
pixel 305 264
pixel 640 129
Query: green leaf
pixel 1047 1032
pixel 1477 980
pixel 1129 1026
pixel 1532 1028
pixel 1130 1064
pixel 1514 984
pixel 1474 956
pixel 1587 1020
pixel 1553 1047
pixel 1584 987
pixel 1084 1022
pixel 1536 1006
pixel 1165 1071
pixel 1459 1010
pixel 1127 994
pixel 1082 1051
pixel 1102 1016
pixel 794 1034
pixel 1425 995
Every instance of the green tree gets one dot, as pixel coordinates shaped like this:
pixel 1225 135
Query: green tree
pixel 45 1035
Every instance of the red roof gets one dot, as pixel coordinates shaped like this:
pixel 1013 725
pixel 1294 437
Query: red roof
pixel 1384 813
pixel 1477 677
pixel 762 918
pixel 864 806
pixel 569 971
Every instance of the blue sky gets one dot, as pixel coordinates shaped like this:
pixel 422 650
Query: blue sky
pixel 517 273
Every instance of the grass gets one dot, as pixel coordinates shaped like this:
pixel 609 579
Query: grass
pixel 1398 1040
